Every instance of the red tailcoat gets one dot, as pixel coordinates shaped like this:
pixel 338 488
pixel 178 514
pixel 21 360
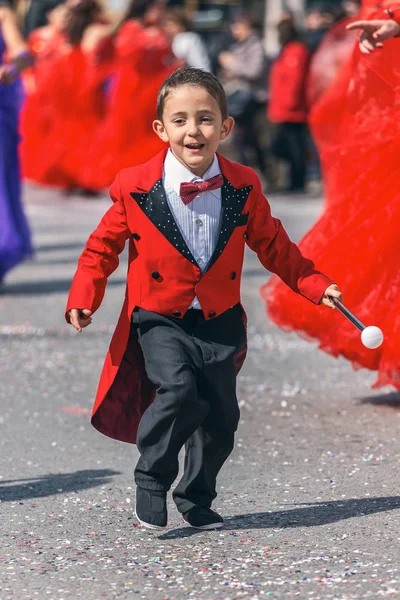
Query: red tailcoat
pixel 164 277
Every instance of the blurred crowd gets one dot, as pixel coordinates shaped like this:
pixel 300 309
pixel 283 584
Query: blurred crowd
pixel 92 87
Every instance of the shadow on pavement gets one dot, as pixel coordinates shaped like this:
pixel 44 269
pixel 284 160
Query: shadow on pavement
pixel 309 515
pixel 47 286
pixel 53 484
pixel 392 399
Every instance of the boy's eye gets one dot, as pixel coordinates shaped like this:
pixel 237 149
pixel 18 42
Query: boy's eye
pixel 179 121
pixel 207 119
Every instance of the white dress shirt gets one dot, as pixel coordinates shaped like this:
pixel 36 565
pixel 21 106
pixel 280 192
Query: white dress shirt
pixel 199 220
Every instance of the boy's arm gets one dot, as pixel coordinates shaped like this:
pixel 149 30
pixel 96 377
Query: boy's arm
pixel 100 257
pixel 278 254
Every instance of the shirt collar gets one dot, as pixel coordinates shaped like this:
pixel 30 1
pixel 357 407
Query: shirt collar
pixel 176 173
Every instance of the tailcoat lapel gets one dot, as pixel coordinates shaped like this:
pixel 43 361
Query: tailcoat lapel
pixel 233 201
pixel 155 206
pixel 153 202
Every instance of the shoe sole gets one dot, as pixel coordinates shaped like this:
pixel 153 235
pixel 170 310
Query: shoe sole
pixel 206 527
pixel 150 526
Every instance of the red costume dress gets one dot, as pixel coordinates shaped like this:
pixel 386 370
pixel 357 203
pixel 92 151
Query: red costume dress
pixel 143 59
pixel 64 111
pixel 357 237
pixel 164 277
pixel 37 116
pixel 332 53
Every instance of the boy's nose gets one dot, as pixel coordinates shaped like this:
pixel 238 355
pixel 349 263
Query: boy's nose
pixel 193 129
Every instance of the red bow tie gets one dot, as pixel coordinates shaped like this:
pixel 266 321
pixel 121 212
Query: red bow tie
pixel 189 190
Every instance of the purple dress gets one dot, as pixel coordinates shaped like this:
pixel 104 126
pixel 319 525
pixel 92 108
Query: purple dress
pixel 15 239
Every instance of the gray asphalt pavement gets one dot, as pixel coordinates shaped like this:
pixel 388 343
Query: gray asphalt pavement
pixel 310 494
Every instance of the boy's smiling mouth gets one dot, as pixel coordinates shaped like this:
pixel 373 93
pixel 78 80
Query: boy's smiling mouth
pixel 194 146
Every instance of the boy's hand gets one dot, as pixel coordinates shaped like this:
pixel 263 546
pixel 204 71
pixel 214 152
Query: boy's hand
pixel 374 32
pixel 331 292
pixel 80 318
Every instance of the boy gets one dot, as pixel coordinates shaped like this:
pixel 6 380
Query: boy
pixel 181 336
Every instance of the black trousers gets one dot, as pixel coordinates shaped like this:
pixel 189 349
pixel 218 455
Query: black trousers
pixel 291 144
pixel 192 363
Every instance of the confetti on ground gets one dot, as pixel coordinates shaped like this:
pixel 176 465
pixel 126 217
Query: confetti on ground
pixel 310 493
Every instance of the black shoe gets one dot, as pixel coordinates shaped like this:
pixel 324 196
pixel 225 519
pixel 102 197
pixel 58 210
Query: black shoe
pixel 151 508
pixel 203 518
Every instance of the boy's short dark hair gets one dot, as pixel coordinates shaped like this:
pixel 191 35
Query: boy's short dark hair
pixel 194 77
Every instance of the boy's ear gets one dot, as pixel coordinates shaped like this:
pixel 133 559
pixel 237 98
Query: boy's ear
pixel 227 127
pixel 159 128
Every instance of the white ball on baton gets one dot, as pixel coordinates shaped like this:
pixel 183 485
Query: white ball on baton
pixel 372 337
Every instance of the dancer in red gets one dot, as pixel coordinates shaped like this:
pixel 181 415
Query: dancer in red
pixel 143 59
pixel 356 239
pixel 69 102
pixel 45 44
pixel 376 31
pixel 332 53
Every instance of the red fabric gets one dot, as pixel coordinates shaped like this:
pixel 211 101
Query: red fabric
pixel 124 390
pixel 92 112
pixel 396 15
pixel 61 118
pixel 330 58
pixel 393 13
pixel 287 96
pixel 332 53
pixel 189 190
pixel 357 237
pixel 37 115
pixel 125 138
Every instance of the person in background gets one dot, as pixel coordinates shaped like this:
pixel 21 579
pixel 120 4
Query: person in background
pixel 143 59
pixel 37 14
pixel 376 31
pixel 244 73
pixel 46 44
pixel 186 44
pixel 15 239
pixel 357 235
pixel 62 116
pixel 287 104
pixel 318 20
pixel 351 8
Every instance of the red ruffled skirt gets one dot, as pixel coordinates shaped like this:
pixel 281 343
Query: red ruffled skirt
pixel 61 118
pixel 356 241
pixel 125 138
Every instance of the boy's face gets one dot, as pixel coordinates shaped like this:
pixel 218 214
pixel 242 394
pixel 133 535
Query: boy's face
pixel 192 125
